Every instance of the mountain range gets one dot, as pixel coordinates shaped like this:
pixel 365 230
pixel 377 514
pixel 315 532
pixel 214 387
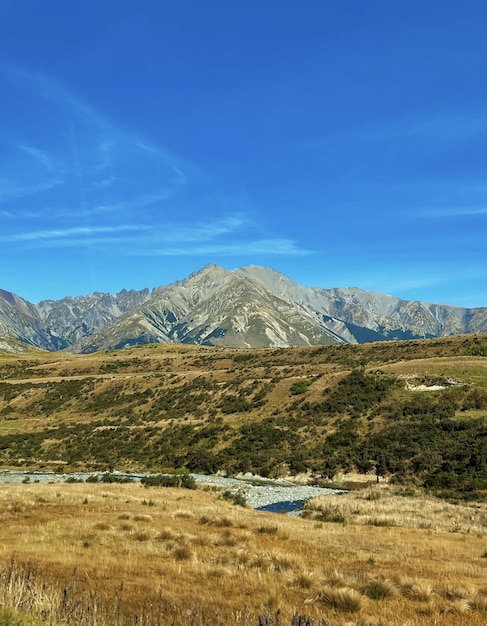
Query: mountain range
pixel 247 307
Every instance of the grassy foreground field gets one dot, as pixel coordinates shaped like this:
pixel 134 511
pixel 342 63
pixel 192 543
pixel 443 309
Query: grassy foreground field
pixel 124 554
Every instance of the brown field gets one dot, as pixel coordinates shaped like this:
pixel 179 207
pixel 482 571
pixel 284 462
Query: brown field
pixel 125 554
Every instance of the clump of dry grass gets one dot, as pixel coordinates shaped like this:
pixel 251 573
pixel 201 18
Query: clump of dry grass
pixel 478 602
pixel 183 514
pixel 342 598
pixel 459 607
pixel 417 590
pixel 378 588
pixel 183 552
pixel 304 580
pixel 340 581
pixel 226 538
pixel 218 572
pixel 142 536
pixel 455 592
pixel 265 561
pixel 142 518
pixel 219 522
pixel 168 534
pixel 102 526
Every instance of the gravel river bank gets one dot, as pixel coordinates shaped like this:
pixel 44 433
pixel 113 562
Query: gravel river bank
pixel 263 494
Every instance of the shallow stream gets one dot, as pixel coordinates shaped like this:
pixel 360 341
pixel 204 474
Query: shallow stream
pixel 275 496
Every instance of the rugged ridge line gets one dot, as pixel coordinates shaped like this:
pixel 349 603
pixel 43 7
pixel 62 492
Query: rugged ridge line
pixel 248 307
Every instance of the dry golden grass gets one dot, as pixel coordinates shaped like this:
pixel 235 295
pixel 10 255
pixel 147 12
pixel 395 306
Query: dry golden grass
pixel 192 556
pixel 387 505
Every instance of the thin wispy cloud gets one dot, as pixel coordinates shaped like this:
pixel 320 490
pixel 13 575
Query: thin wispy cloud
pixel 228 236
pixel 184 233
pixel 453 126
pixel 428 133
pixel 51 90
pixel 256 247
pixel 107 178
pixel 10 190
pixel 430 129
pixel 66 234
pixel 143 200
pixel 105 162
pixel 40 156
pixel 122 207
pixel 27 171
pixel 113 245
pixel 451 212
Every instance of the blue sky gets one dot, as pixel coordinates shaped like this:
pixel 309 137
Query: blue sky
pixel 342 143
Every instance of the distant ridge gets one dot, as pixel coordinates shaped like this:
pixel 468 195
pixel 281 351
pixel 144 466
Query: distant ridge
pixel 251 307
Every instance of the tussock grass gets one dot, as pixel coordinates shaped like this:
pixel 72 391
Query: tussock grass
pixel 344 599
pixel 267 561
pixel 339 581
pixel 102 526
pixel 379 588
pixel 183 552
pixel 304 580
pixel 142 536
pixel 142 518
pixel 420 591
pixel 226 538
pixel 459 607
pixel 455 592
pixel 186 569
pixel 168 534
pixel 221 522
pixel 183 514
pixel 478 602
pixel 386 506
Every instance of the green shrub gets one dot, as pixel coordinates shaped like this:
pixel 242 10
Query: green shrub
pixel 236 497
pixel 185 481
pixel 300 387
pixel 115 478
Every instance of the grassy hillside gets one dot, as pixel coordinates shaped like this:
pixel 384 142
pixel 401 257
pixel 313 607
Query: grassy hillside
pixel 410 411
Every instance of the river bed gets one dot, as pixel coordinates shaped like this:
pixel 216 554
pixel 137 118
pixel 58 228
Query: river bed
pixel 275 496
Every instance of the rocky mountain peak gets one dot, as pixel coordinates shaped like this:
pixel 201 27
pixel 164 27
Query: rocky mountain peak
pixel 251 306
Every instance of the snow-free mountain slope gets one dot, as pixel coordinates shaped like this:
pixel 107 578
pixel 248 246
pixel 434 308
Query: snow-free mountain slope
pixel 247 307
